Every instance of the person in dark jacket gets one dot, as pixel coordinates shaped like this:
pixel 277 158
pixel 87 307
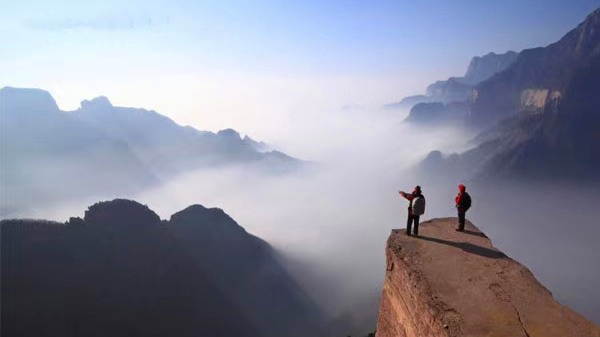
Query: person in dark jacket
pixel 463 203
pixel 413 216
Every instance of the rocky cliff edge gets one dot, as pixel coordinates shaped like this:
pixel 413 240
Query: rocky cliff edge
pixel 448 283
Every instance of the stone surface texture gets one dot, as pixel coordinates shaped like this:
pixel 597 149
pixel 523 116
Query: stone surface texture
pixel 448 283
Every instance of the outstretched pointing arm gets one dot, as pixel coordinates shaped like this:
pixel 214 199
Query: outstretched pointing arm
pixel 406 196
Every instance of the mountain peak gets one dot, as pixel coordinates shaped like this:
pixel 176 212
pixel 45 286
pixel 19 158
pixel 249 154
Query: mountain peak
pixel 229 134
pixel 195 209
pixel 121 213
pixel 483 67
pixel 204 220
pixel 27 100
pixel 100 102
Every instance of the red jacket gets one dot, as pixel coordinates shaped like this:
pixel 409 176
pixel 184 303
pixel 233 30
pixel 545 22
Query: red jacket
pixel 459 198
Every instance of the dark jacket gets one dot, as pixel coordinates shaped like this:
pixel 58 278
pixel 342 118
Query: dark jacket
pixel 462 201
pixel 410 197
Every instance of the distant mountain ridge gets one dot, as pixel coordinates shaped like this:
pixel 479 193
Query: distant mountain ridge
pixel 541 115
pixel 542 78
pixel 480 69
pixel 46 154
pixel 154 137
pixel 103 149
pixel 458 89
pixel 122 271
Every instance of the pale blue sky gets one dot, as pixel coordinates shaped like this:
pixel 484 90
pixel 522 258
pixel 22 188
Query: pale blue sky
pixel 237 63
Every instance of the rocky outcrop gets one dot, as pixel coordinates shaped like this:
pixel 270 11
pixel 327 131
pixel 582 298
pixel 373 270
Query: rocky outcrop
pixel 483 67
pixel 438 113
pixel 451 284
pixel 450 90
pixel 98 103
pixel 26 101
pixel 409 102
pixel 539 100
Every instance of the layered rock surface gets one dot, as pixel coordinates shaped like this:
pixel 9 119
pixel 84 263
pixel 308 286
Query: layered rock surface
pixel 448 283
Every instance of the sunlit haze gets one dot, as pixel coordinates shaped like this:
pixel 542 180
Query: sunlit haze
pixel 255 65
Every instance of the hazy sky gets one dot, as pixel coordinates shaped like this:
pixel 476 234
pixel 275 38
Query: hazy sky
pixel 252 64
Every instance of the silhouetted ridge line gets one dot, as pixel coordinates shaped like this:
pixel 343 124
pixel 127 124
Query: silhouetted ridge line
pixel 121 271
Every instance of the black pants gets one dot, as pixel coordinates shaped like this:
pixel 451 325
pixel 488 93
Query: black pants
pixel 461 219
pixel 409 222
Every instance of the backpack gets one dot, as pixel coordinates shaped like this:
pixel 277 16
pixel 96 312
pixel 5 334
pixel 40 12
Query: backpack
pixel 418 207
pixel 466 202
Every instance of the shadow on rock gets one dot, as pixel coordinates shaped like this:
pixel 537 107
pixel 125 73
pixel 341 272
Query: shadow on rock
pixel 468 247
pixel 480 234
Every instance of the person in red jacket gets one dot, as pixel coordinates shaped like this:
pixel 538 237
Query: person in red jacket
pixel 463 203
pixel 413 217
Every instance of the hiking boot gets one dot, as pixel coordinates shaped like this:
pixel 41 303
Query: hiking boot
pixel 459 230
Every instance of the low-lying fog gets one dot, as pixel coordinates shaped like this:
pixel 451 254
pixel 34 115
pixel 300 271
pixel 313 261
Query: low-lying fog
pixel 332 219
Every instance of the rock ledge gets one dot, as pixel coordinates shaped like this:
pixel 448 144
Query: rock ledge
pixel 448 283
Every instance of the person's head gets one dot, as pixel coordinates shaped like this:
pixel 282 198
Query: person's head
pixel 462 188
pixel 417 190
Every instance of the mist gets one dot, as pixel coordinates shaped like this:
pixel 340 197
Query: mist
pixel 552 230
pixel 330 220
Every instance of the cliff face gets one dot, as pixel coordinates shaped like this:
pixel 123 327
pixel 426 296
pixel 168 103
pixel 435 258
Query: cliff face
pixel 450 90
pixel 540 116
pixel 447 283
pixel 539 100
pixel 459 89
pixel 483 67
pixel 27 101
pixel 567 70
pixel 438 113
